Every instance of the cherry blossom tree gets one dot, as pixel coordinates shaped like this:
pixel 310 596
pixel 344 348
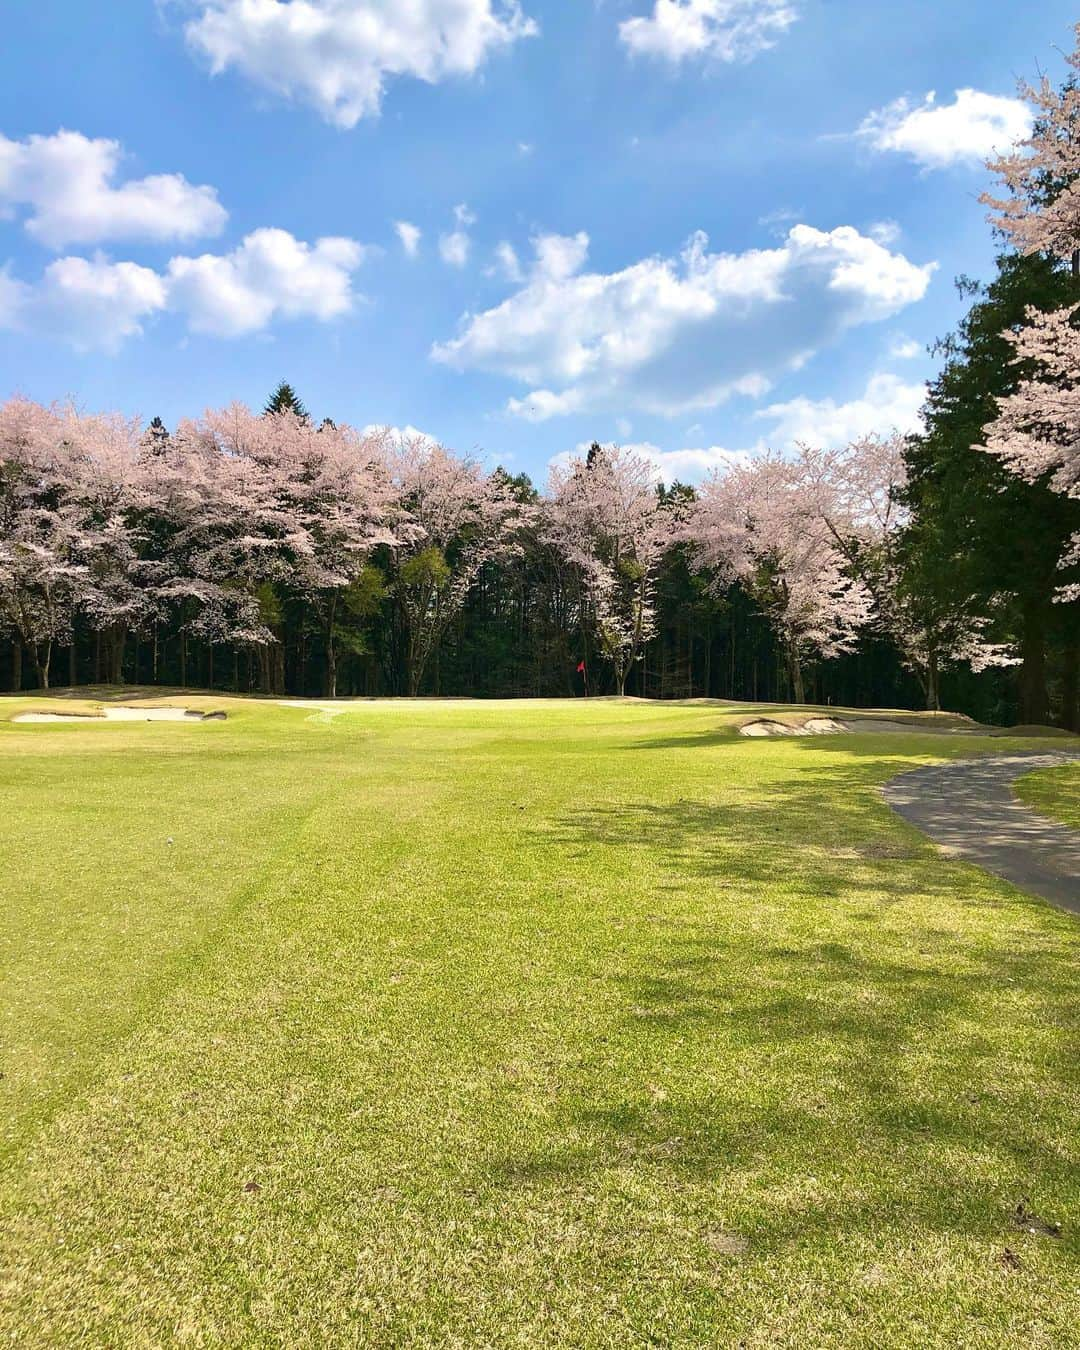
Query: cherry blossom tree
pixel 756 523
pixel 455 518
pixel 256 502
pixel 605 516
pixel 857 493
pixel 42 533
pixel 1041 174
pixel 221 527
pixel 1036 433
pixel 108 479
pixel 335 483
pixel 68 544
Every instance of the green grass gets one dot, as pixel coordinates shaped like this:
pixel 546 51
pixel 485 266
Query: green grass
pixel 1054 792
pixel 552 1024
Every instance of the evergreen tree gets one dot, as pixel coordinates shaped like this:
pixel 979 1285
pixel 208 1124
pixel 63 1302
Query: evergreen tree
pixel 977 530
pixel 285 399
pixel 157 436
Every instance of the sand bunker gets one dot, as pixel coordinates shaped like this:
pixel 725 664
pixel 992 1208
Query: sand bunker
pixel 124 715
pixel 814 726
pixel 831 726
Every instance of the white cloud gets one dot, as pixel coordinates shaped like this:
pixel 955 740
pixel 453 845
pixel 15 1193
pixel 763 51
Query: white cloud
pixel 968 130
pixel 454 248
pixel 507 262
pixel 555 257
pixel 99 303
pixel 905 349
pixel 726 30
pixel 337 55
pixel 691 466
pixel 542 404
pixel 399 437
pixel 887 404
pixel 270 274
pixel 409 236
pixel 456 245
pixel 666 335
pixel 93 303
pixel 885 232
pixel 559 256
pixel 688 466
pixel 778 222
pixel 67 183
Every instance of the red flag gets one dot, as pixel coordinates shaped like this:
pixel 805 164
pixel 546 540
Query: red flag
pixel 581 668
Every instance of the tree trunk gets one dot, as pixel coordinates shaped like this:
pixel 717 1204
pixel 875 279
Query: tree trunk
pixel 116 655
pixel 933 691
pixel 1070 685
pixel 42 662
pixel 331 669
pixel 1034 700
pixel 183 660
pixel 73 672
pixel 798 685
pixel 16 665
pixel 331 651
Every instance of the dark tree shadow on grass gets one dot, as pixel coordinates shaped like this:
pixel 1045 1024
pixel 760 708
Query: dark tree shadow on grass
pixel 951 1152
pixel 897 1048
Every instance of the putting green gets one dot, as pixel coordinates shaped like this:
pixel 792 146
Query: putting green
pixel 522 1024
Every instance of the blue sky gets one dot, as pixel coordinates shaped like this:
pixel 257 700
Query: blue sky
pixel 695 225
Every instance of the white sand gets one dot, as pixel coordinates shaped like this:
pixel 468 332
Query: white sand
pixel 115 715
pixel 830 726
pixel 813 726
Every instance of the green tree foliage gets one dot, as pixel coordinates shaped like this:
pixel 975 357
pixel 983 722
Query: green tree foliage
pixel 977 530
pixel 285 399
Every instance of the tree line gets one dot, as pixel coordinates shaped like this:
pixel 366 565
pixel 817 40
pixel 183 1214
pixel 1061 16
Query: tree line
pixel 264 552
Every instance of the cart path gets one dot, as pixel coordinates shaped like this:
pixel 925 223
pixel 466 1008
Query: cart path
pixel 969 809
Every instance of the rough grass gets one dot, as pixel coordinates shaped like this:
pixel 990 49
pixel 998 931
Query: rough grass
pixel 1053 792
pixel 527 1025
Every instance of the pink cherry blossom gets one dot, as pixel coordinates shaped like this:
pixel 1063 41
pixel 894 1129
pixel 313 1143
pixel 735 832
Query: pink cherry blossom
pixel 606 518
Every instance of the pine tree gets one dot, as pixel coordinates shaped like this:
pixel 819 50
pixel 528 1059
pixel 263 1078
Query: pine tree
pixel 285 399
pixel 157 436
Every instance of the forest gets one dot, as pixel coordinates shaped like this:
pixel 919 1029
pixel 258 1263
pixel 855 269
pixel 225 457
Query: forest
pixel 283 553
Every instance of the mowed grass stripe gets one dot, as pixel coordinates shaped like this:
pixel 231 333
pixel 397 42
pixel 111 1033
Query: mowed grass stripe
pixel 553 1025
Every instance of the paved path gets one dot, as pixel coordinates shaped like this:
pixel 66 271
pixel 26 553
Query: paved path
pixel 969 809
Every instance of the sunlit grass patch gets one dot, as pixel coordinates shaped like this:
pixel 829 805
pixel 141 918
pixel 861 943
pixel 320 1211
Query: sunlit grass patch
pixel 1054 792
pixel 519 1024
